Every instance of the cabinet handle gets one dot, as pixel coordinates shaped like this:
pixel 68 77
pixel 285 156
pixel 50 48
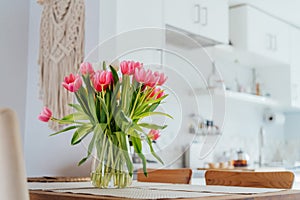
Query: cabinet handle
pixel 274 41
pixel 296 92
pixel 203 16
pixel 269 43
pixel 196 13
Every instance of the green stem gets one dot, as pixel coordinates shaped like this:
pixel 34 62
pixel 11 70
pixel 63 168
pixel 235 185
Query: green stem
pixel 111 165
pixel 68 122
pixel 107 114
pixel 103 150
pixel 143 99
pixel 136 100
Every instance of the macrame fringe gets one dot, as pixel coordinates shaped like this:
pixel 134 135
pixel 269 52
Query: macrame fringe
pixel 61 52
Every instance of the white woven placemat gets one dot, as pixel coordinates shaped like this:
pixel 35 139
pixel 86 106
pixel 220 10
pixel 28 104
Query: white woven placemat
pixel 209 188
pixel 140 193
pixel 144 190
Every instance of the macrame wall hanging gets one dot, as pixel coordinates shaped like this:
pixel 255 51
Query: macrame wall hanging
pixel 61 51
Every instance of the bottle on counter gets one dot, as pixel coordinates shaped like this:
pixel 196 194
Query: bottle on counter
pixel 210 128
pixel 214 80
pixel 241 160
pixel 256 83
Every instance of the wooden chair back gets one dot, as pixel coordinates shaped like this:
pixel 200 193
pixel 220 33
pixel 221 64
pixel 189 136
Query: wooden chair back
pixel 179 176
pixel 13 185
pixel 278 179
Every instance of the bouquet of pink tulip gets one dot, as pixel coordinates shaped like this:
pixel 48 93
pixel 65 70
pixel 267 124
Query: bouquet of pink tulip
pixel 112 108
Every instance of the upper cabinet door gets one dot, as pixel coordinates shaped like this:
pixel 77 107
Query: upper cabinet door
pixel 133 14
pixel 257 32
pixel 139 23
pixel 295 66
pixel 182 14
pixel 213 19
pixel 207 18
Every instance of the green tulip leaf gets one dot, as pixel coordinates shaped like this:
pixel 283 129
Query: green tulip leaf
pixel 81 133
pixel 137 145
pixel 152 126
pixel 75 116
pixel 76 106
pixel 147 114
pixel 152 151
pixel 121 137
pixel 114 73
pixel 65 130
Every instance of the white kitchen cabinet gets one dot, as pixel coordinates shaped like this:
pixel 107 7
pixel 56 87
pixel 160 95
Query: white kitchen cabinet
pixel 284 82
pixel 132 30
pixel 206 18
pixel 295 67
pixel 133 14
pixel 144 19
pixel 257 32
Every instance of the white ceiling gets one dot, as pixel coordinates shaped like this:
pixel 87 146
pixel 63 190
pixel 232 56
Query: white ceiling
pixel 288 10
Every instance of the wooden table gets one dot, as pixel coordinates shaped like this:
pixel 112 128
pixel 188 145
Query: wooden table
pixel 282 195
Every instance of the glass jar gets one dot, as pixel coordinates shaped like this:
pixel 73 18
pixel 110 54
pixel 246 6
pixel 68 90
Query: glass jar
pixel 109 167
pixel 215 81
pixel 241 159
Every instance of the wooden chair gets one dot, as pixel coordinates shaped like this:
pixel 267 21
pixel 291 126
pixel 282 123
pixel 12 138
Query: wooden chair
pixel 179 176
pixel 280 179
pixel 13 185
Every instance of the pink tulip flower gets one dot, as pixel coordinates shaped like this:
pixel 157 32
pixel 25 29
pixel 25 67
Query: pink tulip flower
pixel 72 83
pixel 153 134
pixel 141 75
pixel 151 80
pixel 156 92
pixel 101 80
pixel 128 67
pixel 138 65
pixel 86 68
pixel 45 115
pixel 162 78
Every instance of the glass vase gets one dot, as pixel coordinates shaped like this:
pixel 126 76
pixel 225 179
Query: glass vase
pixel 109 169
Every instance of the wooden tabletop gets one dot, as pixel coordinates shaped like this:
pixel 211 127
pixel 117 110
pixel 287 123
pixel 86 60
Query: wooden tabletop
pixel 282 195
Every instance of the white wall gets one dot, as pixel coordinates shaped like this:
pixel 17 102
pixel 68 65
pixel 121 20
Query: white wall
pixel 242 121
pixel 13 55
pixel 46 155
pixel 241 131
pixel 292 137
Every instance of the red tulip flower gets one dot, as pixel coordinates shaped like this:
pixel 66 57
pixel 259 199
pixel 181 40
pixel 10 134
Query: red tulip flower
pixel 101 80
pixel 158 92
pixel 151 80
pixel 162 78
pixel 153 134
pixel 86 68
pixel 72 83
pixel 127 68
pixel 141 75
pixel 45 115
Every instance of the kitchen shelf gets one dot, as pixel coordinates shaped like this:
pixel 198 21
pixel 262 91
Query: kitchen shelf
pixel 247 98
pixel 232 95
pixel 263 101
pixel 251 98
